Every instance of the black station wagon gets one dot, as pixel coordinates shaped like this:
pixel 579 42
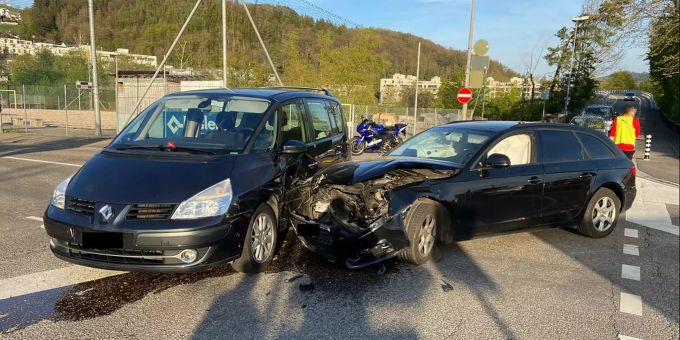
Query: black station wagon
pixel 197 179
pixel 462 180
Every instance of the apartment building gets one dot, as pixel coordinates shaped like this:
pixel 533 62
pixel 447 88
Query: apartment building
pixel 392 89
pixel 497 88
pixel 17 46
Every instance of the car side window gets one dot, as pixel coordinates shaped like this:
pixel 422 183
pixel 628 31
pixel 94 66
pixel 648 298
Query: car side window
pixel 596 148
pixel 517 147
pixel 293 122
pixel 321 118
pixel 266 139
pixel 560 146
pixel 336 116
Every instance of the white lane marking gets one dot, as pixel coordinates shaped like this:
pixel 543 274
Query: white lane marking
pixel 41 161
pixel 652 215
pixel 34 218
pixel 631 304
pixel 630 272
pixel 51 279
pixel 626 337
pixel 631 249
pixel 630 232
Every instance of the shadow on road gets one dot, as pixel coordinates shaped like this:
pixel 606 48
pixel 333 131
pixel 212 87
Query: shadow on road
pixel 17 144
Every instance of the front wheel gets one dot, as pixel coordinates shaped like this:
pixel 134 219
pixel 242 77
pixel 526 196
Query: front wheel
pixel 601 214
pixel 421 223
pixel 260 243
pixel 358 148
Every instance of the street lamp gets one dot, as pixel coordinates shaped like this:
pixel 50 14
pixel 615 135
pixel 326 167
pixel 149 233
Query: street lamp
pixel 576 20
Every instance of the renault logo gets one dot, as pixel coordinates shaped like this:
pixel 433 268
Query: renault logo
pixel 106 213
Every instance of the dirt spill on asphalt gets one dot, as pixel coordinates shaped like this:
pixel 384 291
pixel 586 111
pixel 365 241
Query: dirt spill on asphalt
pixel 104 296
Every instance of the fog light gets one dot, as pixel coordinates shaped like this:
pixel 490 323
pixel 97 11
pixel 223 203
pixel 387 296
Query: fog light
pixel 188 255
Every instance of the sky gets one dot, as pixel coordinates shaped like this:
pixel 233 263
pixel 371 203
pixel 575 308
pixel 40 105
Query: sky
pixel 513 28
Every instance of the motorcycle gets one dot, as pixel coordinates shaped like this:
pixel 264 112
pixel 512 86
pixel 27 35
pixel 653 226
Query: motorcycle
pixel 376 137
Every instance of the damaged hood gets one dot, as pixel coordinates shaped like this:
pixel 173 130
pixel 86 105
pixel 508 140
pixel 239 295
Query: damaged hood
pixel 349 173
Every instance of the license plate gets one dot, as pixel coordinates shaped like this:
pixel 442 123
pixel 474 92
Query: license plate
pixel 102 240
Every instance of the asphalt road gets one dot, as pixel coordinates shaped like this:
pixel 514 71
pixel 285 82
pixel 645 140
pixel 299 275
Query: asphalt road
pixel 663 163
pixel 551 284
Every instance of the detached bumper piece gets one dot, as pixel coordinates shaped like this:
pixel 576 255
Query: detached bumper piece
pixel 381 240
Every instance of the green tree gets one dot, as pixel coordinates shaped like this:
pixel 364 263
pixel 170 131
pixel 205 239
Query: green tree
pixel 619 80
pixel 446 96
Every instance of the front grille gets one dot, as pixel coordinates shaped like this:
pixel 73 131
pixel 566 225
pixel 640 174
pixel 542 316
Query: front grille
pixel 150 211
pixel 121 255
pixel 79 205
pixel 124 256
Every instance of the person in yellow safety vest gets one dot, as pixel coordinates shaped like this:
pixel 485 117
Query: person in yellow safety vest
pixel 625 128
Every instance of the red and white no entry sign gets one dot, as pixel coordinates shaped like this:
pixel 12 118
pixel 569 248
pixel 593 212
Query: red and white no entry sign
pixel 464 95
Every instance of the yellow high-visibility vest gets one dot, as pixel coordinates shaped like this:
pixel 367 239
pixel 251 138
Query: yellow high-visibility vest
pixel 625 131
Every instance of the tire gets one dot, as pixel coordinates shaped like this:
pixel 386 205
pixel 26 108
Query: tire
pixel 422 222
pixel 358 149
pixel 260 243
pixel 601 214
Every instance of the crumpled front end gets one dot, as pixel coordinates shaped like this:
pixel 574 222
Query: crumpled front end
pixel 359 220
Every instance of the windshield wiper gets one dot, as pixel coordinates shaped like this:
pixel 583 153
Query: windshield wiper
pixel 165 148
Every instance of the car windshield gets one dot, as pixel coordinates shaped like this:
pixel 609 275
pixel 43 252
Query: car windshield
pixel 444 143
pixel 208 123
pixel 599 111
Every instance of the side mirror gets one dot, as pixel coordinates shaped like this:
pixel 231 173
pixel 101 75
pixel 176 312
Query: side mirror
pixel 497 160
pixel 294 147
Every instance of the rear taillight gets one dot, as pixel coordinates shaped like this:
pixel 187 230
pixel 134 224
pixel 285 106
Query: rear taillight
pixel 633 171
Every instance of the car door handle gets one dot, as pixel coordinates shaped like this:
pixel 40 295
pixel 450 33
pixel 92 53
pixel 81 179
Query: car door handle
pixel 587 175
pixel 535 180
pixel 312 165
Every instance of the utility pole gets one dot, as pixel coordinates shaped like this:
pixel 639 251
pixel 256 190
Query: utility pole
pixel 469 53
pixel 415 106
pixel 115 88
pixel 224 43
pixel 483 91
pixel 576 21
pixel 93 62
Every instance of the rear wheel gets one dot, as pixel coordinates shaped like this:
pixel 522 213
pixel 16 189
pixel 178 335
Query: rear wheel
pixel 601 215
pixel 260 243
pixel 421 222
pixel 358 148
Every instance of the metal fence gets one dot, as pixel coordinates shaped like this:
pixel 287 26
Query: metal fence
pixel 417 121
pixel 67 110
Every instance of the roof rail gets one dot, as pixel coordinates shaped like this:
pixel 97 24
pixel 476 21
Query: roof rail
pixel 302 88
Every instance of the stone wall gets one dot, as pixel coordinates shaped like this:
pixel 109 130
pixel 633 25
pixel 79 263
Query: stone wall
pixel 83 119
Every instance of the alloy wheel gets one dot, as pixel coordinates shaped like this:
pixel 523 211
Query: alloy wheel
pixel 427 235
pixel 604 214
pixel 262 240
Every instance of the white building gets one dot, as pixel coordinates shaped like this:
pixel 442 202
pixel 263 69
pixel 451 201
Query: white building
pixel 391 89
pixel 497 88
pixel 9 17
pixel 18 46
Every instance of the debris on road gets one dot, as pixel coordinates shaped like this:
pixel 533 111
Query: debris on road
pixel 382 269
pixel 295 277
pixel 446 287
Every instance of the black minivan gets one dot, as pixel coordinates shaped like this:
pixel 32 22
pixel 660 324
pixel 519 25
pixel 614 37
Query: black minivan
pixel 197 179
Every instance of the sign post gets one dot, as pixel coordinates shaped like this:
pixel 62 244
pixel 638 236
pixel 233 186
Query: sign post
pixel 545 95
pixel 464 95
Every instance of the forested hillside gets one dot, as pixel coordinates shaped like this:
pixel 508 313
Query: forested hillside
pixel 306 51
